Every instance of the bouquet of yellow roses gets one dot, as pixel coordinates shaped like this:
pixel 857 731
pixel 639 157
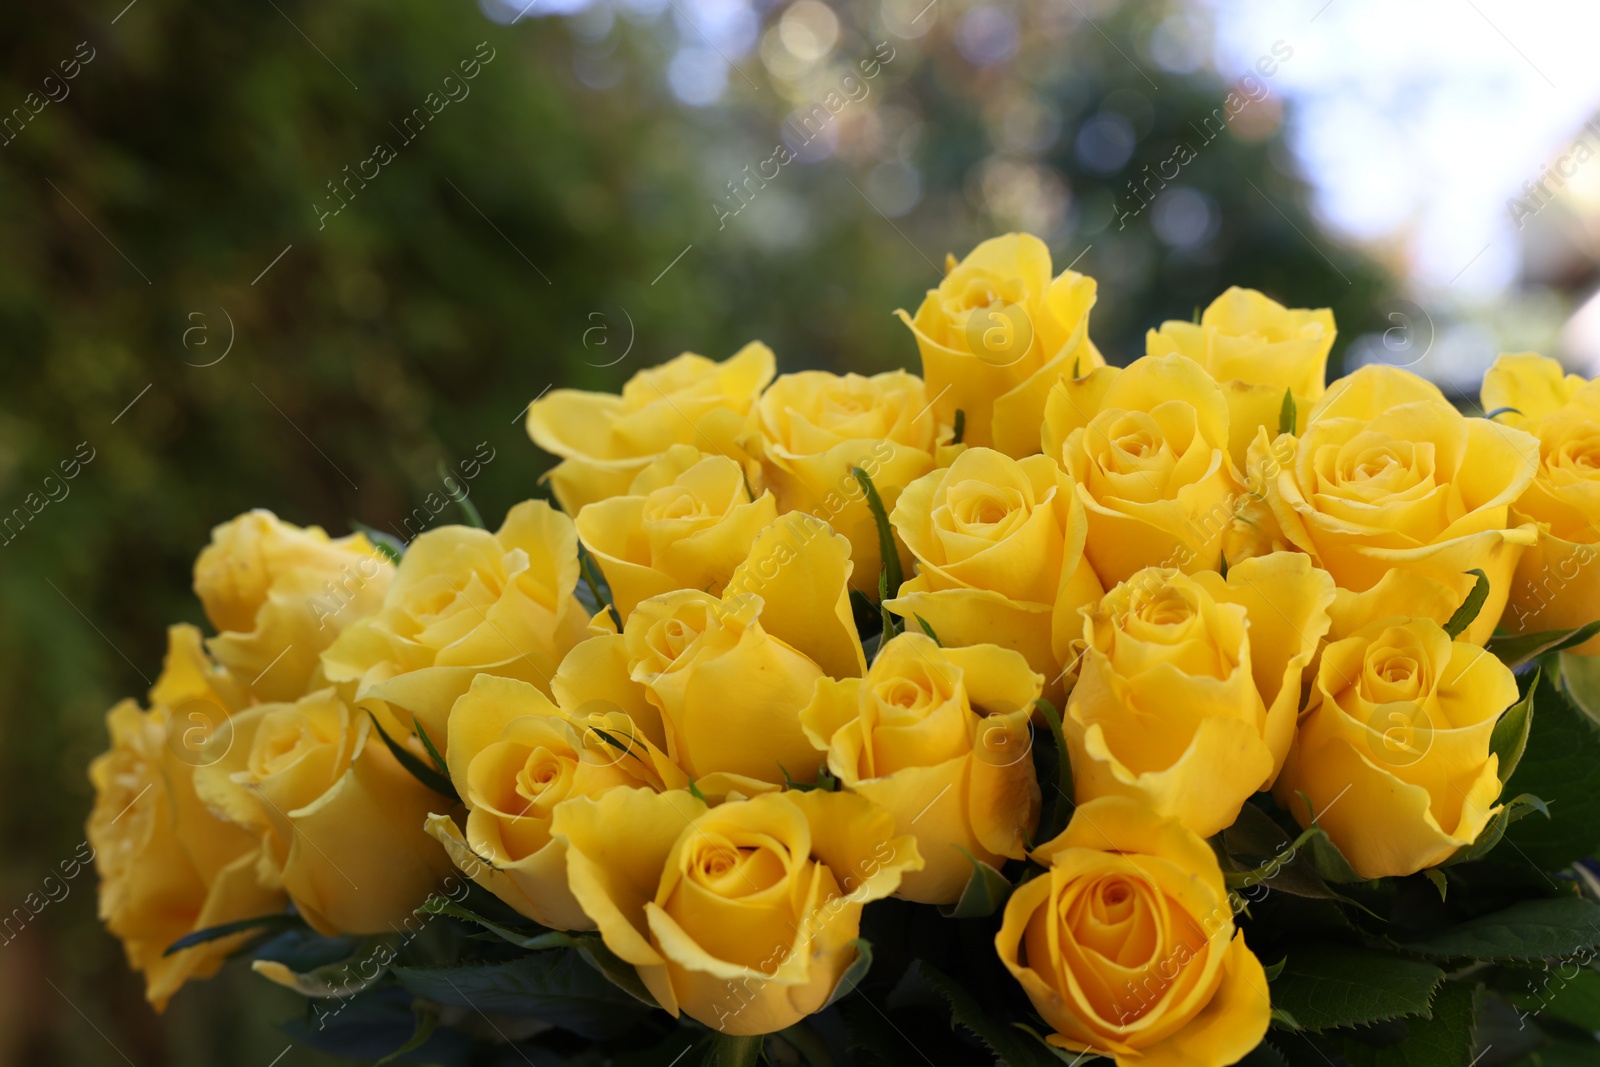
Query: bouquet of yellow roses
pixel 1183 714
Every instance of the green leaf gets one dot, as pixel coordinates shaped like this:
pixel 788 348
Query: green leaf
pixel 854 973
pixel 886 617
pixel 1010 1044
pixel 985 892
pixel 423 773
pixel 1436 876
pixel 1560 763
pixel 927 629
pixel 1256 852
pixel 1468 611
pixel 1325 986
pixel 1522 804
pixel 468 508
pixel 426 1022
pixel 598 590
pixel 1510 738
pixel 276 921
pixel 341 978
pixel 433 750
pixel 726 1050
pixel 1062 808
pixel 1574 999
pixel 886 546
pixel 1444 1039
pixel 961 418
pixel 1325 855
pixel 556 987
pixel 1500 411
pixel 388 546
pixel 1527 930
pixel 1579 678
pixel 1524 648
pixel 1286 413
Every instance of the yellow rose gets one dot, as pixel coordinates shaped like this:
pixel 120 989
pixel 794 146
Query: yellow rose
pixel 279 595
pixel 1255 348
pixel 729 693
pixel 1148 448
pixel 1388 476
pixel 339 819
pixel 998 334
pixel 741 916
pixel 1554 589
pixel 1393 754
pixel 685 523
pixel 812 428
pixel 938 738
pixel 1126 944
pixel 1190 685
pixel 513 758
pixel 466 601
pixel 999 545
pixel 605 440
pixel 168 867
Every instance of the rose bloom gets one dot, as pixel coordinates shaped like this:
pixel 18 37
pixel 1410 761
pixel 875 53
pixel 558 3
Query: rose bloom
pixel 1190 685
pixel 280 594
pixel 340 821
pixel 685 523
pixel 939 738
pixel 1388 476
pixel 1256 349
pixel 1126 944
pixel 811 429
pixel 1393 753
pixel 999 545
pixel 741 916
pixel 605 440
pixel 997 334
pixel 1555 588
pixel 465 602
pixel 515 757
pixel 168 866
pixel 1147 446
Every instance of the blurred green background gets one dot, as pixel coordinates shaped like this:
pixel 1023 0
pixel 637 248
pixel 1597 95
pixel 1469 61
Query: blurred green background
pixel 168 295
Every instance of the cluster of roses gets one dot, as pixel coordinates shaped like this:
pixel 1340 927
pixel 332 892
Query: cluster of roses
pixel 1231 577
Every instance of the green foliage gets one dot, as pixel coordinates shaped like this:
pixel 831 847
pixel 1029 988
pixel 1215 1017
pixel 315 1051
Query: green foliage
pixel 554 987
pixel 1526 930
pixel 1561 765
pixel 1327 986
pixel 984 894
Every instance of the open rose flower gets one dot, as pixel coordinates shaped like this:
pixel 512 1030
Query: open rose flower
pixel 168 866
pixel 813 428
pixel 1393 754
pixel 1147 446
pixel 996 336
pixel 1555 588
pixel 741 916
pixel 514 757
pixel 939 738
pixel 1256 349
pixel 1190 685
pixel 686 522
pixel 1388 476
pixel 1126 944
pixel 605 440
pixel 999 545
pixel 465 602
pixel 339 820
pixel 280 594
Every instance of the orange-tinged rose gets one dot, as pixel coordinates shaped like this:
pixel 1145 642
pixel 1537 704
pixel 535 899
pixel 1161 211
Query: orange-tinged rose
pixel 1126 944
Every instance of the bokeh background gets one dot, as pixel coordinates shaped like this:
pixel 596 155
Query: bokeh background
pixel 180 299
